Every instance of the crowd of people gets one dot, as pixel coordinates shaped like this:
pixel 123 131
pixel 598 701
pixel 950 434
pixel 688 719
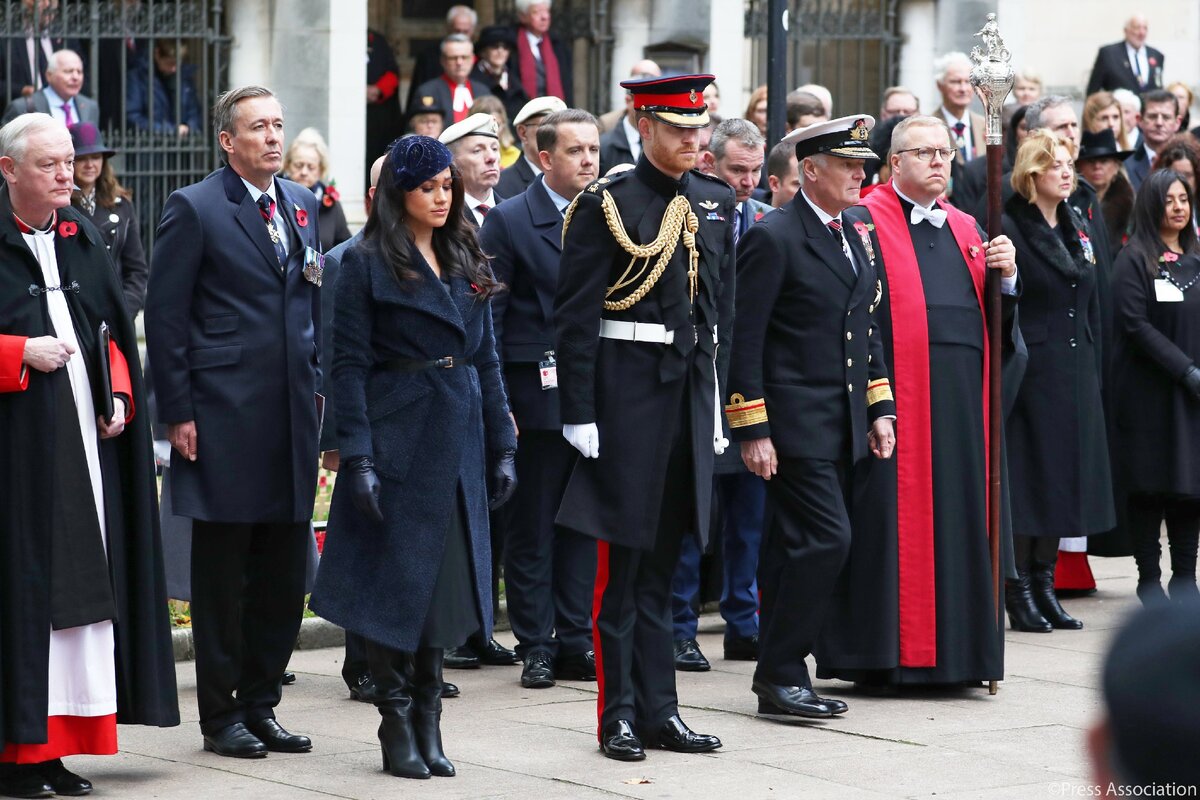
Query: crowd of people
pixel 531 362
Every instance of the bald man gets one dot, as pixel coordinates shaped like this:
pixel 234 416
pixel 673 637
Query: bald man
pixel 1129 64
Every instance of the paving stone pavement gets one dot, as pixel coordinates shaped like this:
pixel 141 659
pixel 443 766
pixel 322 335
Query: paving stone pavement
pixel 507 742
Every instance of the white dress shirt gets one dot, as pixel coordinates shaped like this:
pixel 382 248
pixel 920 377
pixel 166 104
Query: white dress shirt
pixel 474 202
pixel 1139 62
pixel 559 201
pixel 535 43
pixel 633 137
pixel 56 107
pixel 276 220
pixel 968 148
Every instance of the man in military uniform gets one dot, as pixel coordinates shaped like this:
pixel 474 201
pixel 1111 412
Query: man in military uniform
pixel 646 275
pixel 806 354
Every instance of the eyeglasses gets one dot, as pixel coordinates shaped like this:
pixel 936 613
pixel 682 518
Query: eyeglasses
pixel 927 153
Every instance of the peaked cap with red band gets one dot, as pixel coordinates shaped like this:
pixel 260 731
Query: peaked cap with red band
pixel 678 100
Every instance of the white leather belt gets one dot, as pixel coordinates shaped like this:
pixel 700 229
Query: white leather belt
pixel 651 332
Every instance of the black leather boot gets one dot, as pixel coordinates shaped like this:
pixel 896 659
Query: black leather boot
pixel 1018 601
pixel 392 670
pixel 427 718
pixel 1043 586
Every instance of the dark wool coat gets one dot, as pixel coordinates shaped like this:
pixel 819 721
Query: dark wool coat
pixel 1158 420
pixel 146 691
pixel 119 228
pixel 1057 447
pixel 428 432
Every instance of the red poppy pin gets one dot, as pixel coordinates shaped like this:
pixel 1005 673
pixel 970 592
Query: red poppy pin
pixel 330 196
pixel 67 229
pixel 1153 61
pixel 301 217
pixel 973 250
pixel 474 288
pixel 758 215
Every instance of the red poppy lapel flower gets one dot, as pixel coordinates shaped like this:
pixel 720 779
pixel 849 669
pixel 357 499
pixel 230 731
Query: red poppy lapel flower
pixel 475 288
pixel 1153 61
pixel 67 228
pixel 330 196
pixel 301 217
pixel 758 215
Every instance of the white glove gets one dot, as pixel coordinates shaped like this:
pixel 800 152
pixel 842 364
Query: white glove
pixel 584 438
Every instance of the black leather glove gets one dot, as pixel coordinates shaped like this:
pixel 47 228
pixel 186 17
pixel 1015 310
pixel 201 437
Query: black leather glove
pixel 1191 381
pixel 364 486
pixel 504 479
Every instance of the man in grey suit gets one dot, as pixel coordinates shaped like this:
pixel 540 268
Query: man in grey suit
pixel 233 320
pixel 60 98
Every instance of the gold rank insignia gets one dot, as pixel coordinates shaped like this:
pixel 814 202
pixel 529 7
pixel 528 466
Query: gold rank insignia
pixel 878 297
pixel 708 205
pixel 692 96
pixel 877 391
pixel 742 413
pixel 426 101
pixel 859 132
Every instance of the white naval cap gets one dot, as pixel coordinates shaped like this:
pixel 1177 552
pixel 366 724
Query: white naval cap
pixel 845 136
pixel 539 105
pixel 475 125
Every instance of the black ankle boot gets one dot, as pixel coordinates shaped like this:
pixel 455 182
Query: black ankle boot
pixel 1018 601
pixel 398 743
pixel 1046 600
pixel 427 710
pixel 1151 593
pixel 1182 588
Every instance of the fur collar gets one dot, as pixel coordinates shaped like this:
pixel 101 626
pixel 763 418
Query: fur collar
pixel 1062 248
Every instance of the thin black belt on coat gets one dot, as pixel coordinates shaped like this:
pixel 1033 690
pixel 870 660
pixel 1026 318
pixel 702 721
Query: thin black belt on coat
pixel 416 365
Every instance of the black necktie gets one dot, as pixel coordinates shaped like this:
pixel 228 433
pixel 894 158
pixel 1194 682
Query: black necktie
pixel 266 207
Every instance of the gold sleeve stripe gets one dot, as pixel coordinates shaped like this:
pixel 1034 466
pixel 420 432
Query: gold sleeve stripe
pixel 878 391
pixel 742 412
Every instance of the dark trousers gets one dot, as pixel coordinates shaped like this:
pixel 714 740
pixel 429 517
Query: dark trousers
pixel 354 665
pixel 805 546
pixel 1146 515
pixel 548 571
pixel 741 499
pixel 631 612
pixel 247 602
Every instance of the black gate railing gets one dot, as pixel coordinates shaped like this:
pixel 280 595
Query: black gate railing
pixel 151 65
pixel 852 47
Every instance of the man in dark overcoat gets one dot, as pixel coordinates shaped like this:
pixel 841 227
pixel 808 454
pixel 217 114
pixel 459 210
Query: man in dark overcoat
pixel 232 326
pixel 548 571
pixel 646 275
pixel 1129 64
pixel 87 643
pixel 809 395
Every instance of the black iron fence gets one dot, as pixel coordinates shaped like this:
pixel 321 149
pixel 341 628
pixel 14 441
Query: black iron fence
pixel 850 46
pixel 154 68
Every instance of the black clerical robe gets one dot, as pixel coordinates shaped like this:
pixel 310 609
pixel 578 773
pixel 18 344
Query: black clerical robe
pixel 914 603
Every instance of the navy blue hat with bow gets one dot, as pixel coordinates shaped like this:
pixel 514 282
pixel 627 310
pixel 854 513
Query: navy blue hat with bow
pixel 415 159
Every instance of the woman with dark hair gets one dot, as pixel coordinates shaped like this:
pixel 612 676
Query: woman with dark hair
pixel 1157 318
pixel 423 423
pixel 1060 486
pixel 109 206
pixel 1180 153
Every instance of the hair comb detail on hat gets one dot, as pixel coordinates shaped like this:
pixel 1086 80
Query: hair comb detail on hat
pixel 415 159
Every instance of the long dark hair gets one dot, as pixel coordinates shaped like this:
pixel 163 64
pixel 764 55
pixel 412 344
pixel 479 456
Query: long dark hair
pixel 1149 208
pixel 108 188
pixel 456 243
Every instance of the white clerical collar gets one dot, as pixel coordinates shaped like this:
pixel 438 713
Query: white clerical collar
pixel 953 120
pixel 533 165
pixel 256 193
pixel 559 201
pixel 473 202
pixel 909 200
pixel 821 215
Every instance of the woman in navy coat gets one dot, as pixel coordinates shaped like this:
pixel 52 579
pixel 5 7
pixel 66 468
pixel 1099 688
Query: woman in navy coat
pixel 423 423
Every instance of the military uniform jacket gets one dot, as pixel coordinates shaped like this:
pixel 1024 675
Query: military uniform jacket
pixel 635 391
pixel 808 366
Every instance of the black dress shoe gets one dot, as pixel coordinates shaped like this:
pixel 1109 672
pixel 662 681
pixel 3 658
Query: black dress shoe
pixel 539 671
pixel 799 701
pixel 577 667
pixel 618 741
pixel 688 657
pixel 277 739
pixel 24 780
pixel 63 781
pixel 673 735
pixel 289 678
pixel 741 648
pixel 450 689
pixel 491 652
pixel 235 741
pixel 460 658
pixel 364 690
pixel 835 706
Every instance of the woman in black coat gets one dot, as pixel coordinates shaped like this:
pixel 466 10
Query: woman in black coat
pixel 1156 297
pixel 1057 448
pixel 422 421
pixel 107 205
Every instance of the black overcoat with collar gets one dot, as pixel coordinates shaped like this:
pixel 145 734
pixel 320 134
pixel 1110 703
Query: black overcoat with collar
pixel 146 692
pixel 1112 70
pixel 523 236
pixel 639 393
pixel 234 344
pixel 428 432
pixel 805 337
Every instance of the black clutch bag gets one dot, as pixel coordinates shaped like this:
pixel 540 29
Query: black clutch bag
pixel 104 373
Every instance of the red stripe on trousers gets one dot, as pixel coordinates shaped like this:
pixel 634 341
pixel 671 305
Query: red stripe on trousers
pixel 597 602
